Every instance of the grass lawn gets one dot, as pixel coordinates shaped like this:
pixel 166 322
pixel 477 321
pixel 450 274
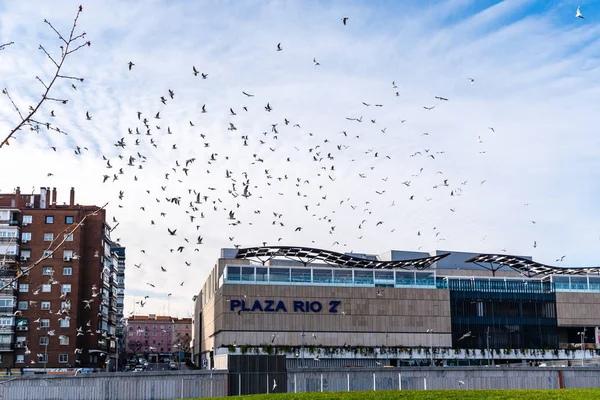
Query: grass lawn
pixel 563 394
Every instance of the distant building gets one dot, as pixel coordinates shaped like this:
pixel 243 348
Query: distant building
pixel 148 334
pixel 182 335
pixel 69 300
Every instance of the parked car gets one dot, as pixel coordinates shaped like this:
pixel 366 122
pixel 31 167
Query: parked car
pixel 172 365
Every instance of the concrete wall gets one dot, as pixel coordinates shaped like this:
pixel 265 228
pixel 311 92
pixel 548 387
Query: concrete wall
pixel 577 309
pixel 399 317
pixel 110 386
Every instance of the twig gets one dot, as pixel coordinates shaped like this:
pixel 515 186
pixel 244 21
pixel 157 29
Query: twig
pixel 64 53
pixel 2 46
pixel 26 270
pixel 5 91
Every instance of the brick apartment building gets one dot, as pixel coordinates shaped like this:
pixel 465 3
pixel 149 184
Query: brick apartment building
pixel 69 300
pixel 156 334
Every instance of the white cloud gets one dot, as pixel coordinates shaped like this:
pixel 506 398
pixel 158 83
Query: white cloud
pixel 536 84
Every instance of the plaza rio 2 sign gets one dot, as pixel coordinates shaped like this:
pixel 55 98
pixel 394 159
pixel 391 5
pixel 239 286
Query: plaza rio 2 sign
pixel 280 306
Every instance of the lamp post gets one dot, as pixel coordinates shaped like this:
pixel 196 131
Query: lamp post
pixel 582 334
pixel 430 331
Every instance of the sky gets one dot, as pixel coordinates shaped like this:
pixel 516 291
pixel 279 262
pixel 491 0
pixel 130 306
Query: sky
pixel 508 158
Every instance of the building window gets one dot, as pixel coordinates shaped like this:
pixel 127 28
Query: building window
pixel 25 236
pixel 20 358
pixel 63 358
pixel 25 255
pixel 68 255
pixel 27 219
pixel 47 271
pixel 65 323
pixel 63 340
pixel 130 333
pixel 48 253
pixel 45 305
pixel 68 237
pixel 42 358
pixel 23 287
pixel 44 323
pixel 43 340
pixel 153 333
pixel 65 305
pixel 49 219
pixel 22 305
pixel 66 288
pixel 48 237
pixel 46 288
pixel 67 271
pixel 69 219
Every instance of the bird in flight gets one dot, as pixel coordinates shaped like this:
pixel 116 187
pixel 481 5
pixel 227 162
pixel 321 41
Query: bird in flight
pixel 471 80
pixel 578 13
pixel 344 20
pixel 279 47
pixel 248 94
pixel 87 116
pixel 131 65
pixel 315 62
pixel 196 72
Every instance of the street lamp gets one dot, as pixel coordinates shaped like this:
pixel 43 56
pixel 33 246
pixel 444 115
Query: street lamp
pixel 582 334
pixel 430 331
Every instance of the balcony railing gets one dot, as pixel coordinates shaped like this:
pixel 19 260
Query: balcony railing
pixel 7 309
pixel 7 346
pixel 11 222
pixel 13 239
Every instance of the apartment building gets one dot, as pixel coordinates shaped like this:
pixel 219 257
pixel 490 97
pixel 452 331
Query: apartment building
pixel 182 335
pixel 119 252
pixel 150 334
pixel 67 304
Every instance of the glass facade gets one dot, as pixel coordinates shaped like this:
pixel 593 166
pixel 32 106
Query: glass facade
pixel 501 314
pixel 318 276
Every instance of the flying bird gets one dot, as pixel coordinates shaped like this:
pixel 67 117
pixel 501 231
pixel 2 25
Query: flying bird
pixel 344 20
pixel 279 47
pixel 131 65
pixel 578 13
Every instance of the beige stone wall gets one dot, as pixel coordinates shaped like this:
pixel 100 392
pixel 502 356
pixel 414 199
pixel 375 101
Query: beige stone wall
pixel 577 309
pixel 400 317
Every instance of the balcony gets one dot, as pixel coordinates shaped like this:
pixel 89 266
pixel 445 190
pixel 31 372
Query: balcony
pixel 10 222
pixel 7 310
pixel 12 239
pixel 7 329
pixel 7 346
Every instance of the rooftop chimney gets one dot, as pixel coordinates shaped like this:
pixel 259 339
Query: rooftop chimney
pixel 18 197
pixel 43 197
pixel 72 197
pixel 53 197
pixel 48 197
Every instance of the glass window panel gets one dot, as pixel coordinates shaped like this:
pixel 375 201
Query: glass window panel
pixel 384 275
pixel 279 274
pixel 342 276
pixel 301 275
pixel 322 275
pixel 404 278
pixel 363 277
pixel 248 274
pixel 233 274
pixel 261 274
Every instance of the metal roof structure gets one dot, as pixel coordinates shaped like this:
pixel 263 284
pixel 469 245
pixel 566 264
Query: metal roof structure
pixel 307 255
pixel 527 267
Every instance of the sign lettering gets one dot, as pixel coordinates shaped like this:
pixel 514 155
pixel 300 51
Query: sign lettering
pixel 299 306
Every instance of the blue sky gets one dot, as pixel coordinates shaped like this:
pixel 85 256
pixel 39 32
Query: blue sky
pixel 536 83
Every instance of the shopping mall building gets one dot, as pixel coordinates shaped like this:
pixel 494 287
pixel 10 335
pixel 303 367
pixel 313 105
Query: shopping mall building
pixel 393 308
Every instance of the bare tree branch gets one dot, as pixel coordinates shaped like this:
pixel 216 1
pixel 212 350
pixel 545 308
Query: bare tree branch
pixel 64 53
pixel 2 46
pixel 25 271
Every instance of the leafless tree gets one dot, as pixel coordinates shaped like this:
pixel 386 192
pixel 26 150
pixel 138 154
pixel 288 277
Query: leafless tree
pixel 68 46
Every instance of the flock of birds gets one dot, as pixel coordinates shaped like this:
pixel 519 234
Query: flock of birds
pixel 178 190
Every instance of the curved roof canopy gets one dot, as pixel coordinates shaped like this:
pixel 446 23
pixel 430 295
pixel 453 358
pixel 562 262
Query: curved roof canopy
pixel 307 255
pixel 528 267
